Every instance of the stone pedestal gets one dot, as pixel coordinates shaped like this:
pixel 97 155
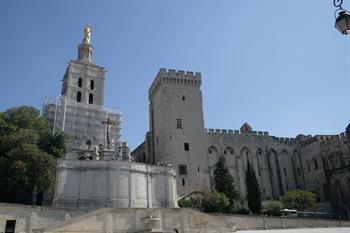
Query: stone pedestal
pixel 153 225
pixel 108 154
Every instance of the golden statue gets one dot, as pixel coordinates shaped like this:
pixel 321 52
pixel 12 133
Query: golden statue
pixel 87 34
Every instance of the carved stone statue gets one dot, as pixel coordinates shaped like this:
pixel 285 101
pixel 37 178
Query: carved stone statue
pixel 87 34
pixel 108 124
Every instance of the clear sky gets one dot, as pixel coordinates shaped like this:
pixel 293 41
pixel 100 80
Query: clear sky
pixel 279 65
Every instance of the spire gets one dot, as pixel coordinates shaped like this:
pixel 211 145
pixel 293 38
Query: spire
pixel 85 48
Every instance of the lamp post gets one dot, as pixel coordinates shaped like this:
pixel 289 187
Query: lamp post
pixel 342 21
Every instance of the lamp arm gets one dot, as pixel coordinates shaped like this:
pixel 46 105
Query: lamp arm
pixel 338 3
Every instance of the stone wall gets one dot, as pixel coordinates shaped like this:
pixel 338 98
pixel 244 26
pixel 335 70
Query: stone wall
pixel 37 219
pixel 244 222
pixel 95 184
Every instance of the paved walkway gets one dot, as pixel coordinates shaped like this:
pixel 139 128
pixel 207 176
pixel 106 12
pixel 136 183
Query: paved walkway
pixel 305 230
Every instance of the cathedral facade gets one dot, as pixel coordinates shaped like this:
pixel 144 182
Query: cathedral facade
pixel 177 134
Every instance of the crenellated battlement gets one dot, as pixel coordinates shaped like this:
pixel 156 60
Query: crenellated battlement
pixel 256 134
pixel 171 73
pixel 333 138
pixel 175 77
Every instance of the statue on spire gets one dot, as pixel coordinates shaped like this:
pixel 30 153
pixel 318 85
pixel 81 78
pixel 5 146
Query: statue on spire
pixel 87 34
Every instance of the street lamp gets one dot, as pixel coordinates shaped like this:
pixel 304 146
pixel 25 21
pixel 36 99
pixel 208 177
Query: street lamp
pixel 342 22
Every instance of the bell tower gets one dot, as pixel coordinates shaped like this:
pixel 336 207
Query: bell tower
pixel 83 82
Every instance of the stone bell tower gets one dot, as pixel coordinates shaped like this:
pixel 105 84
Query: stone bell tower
pixel 80 110
pixel 177 127
pixel 83 81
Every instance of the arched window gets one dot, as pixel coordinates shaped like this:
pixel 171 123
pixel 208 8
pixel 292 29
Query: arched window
pixel 79 97
pixel 91 98
pixel 228 150
pixel 80 82
pixel 186 146
pixel 92 84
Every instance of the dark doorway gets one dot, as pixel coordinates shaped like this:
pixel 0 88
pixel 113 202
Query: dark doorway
pixel 10 226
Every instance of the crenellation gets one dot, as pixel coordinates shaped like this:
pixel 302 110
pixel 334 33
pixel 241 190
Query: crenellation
pixel 244 143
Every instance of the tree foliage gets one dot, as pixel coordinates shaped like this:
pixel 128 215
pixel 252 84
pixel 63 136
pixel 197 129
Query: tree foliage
pixel 299 199
pixel 273 208
pixel 224 183
pixel 214 202
pixel 27 152
pixel 253 190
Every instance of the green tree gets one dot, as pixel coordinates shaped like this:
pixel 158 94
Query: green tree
pixel 299 199
pixel 273 208
pixel 27 152
pixel 224 183
pixel 253 190
pixel 214 202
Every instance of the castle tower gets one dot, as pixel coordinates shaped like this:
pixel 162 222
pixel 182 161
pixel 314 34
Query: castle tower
pixel 80 111
pixel 177 127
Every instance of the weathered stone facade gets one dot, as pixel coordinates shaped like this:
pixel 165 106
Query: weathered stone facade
pixel 97 171
pixel 316 163
pixel 79 111
pixel 116 184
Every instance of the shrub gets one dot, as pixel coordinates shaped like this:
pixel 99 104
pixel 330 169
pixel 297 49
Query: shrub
pixel 299 199
pixel 214 202
pixel 273 208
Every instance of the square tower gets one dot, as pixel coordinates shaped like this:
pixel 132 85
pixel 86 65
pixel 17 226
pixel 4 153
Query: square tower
pixel 177 127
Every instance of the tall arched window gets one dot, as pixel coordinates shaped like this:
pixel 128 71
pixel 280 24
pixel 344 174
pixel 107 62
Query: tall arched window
pixel 91 98
pixel 80 82
pixel 79 96
pixel 92 84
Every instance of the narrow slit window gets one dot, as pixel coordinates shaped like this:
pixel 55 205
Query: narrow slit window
pixel 80 82
pixel 91 98
pixel 79 97
pixel 179 123
pixel 186 146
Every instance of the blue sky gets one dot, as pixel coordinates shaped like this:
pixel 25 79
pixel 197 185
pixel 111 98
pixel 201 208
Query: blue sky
pixel 279 65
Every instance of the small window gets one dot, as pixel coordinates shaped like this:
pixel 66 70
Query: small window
pixel 210 151
pixel 299 171
pixel 224 152
pixel 79 97
pixel 199 170
pixel 179 123
pixel 92 84
pixel 183 182
pixel 91 98
pixel 10 226
pixel 80 82
pixel 186 146
pixel 183 98
pixel 182 169
pixel 308 167
pixel 316 165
